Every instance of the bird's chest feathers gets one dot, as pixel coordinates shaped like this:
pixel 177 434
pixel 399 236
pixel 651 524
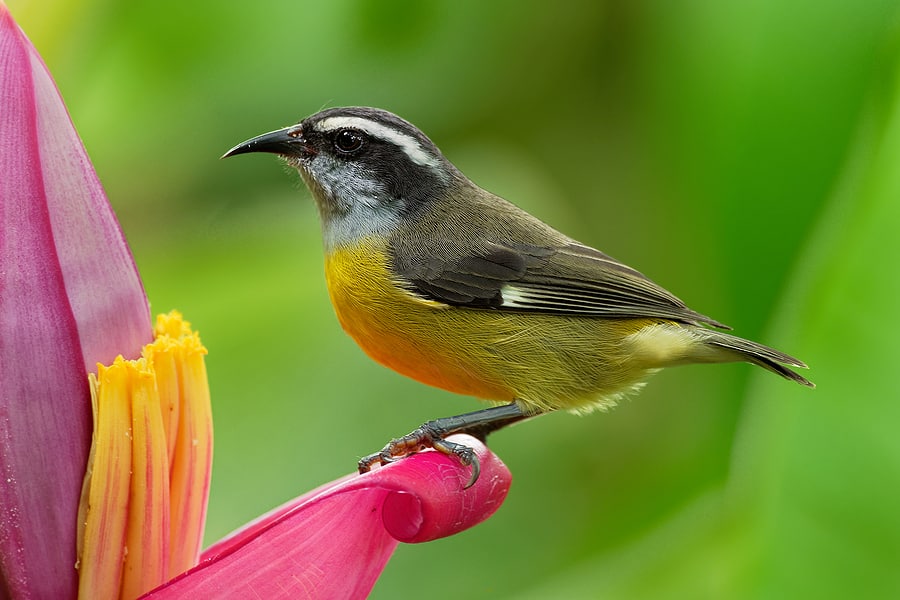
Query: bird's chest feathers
pixel 371 307
pixel 404 332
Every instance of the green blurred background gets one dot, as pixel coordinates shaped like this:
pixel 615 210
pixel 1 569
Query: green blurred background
pixel 744 155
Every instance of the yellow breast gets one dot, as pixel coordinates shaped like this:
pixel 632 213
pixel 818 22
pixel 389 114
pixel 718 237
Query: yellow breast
pixel 544 361
pixel 411 335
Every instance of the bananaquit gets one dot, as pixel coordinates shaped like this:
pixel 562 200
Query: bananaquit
pixel 455 287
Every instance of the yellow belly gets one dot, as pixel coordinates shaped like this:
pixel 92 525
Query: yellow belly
pixel 543 361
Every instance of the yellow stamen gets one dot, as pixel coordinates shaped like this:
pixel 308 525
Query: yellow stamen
pixel 146 540
pixel 106 489
pixel 191 461
pixel 145 492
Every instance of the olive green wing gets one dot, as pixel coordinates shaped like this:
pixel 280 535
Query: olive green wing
pixel 571 279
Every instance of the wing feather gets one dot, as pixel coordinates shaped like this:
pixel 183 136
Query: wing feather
pixel 571 279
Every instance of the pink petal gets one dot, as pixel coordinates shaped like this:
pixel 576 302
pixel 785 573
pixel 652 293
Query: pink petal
pixel 103 287
pixel 69 296
pixel 335 541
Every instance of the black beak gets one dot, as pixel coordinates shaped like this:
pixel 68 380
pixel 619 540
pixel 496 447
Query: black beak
pixel 286 142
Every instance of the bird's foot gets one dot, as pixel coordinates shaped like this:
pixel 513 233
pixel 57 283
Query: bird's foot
pixel 433 434
pixel 429 435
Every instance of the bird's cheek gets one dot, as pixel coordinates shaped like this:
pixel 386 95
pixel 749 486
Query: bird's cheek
pixel 299 162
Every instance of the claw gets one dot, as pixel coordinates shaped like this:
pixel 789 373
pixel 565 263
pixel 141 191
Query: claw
pixel 465 455
pixel 426 436
pixel 433 434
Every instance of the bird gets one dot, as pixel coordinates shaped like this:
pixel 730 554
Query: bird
pixel 458 288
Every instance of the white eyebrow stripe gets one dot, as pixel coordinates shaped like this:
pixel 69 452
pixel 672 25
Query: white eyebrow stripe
pixel 408 144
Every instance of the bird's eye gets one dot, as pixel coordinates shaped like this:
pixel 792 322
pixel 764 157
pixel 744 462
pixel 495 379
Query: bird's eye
pixel 348 140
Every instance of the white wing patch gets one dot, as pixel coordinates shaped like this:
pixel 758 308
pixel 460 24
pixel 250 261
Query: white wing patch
pixel 514 297
pixel 407 143
pixel 517 295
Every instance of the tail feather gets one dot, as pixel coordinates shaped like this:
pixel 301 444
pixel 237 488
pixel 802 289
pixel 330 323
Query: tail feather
pixel 767 358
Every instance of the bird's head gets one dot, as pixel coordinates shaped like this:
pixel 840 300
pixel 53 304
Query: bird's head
pixel 361 164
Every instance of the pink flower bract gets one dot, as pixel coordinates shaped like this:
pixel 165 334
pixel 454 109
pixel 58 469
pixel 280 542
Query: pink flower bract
pixel 334 541
pixel 70 297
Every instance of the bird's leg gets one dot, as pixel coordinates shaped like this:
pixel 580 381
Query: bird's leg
pixel 433 434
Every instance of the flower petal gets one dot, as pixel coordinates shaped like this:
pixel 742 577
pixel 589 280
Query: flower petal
pixel 69 297
pixel 103 287
pixel 335 541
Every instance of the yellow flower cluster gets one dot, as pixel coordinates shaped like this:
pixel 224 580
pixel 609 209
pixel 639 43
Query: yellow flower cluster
pixel 146 487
